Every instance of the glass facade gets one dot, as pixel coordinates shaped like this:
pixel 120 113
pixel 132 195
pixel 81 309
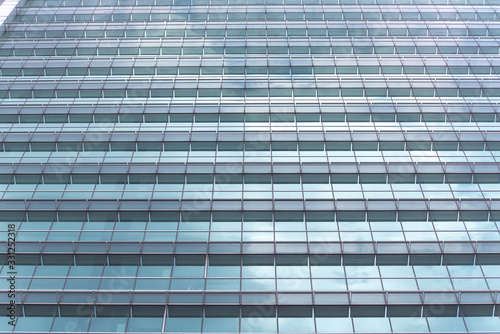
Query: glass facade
pixel 265 166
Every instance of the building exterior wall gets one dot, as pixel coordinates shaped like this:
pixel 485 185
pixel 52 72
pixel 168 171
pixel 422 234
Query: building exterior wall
pixel 292 166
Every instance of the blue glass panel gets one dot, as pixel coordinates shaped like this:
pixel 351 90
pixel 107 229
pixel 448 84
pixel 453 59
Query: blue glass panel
pixel 258 284
pixel 108 324
pixel 85 271
pixel 294 284
pixel 223 284
pixel 70 324
pixel 334 325
pixel 188 271
pixel 187 284
pixel 482 324
pixel 144 325
pixel 399 284
pixel 256 271
pixel 223 271
pixel 409 325
pixel 259 325
pixel 364 284
pixel 178 325
pixel 446 324
pixel 435 284
pixel 118 283
pixel 329 284
pixel 221 324
pixel 372 325
pixel 154 271
pixel 82 283
pixel 469 283
pixel 152 284
pixel 47 283
pixel 33 324
pixel 296 325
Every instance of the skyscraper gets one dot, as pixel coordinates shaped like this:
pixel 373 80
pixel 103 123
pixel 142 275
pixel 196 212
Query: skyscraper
pixel 291 166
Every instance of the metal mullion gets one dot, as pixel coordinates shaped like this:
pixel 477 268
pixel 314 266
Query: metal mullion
pixel 209 236
pixel 164 320
pixel 240 293
pixel 129 311
pixel 420 292
pixel 142 247
pixel 443 263
pixel 118 218
pixel 168 292
pixel 94 305
pixel 181 201
pixel 53 317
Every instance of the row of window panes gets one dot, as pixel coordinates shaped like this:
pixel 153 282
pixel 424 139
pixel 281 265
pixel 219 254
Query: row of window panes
pixel 318 178
pixel 249 70
pixel 268 284
pixel 259 311
pixel 162 234
pixel 170 232
pixel 256 311
pixel 248 323
pixel 263 146
pixel 167 93
pixel 92 3
pixel 247 117
pixel 250 50
pixel 251 32
pixel 235 260
pixel 250 216
pixel 469 15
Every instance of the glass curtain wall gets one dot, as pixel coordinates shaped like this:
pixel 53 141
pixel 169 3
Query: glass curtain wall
pixel 265 166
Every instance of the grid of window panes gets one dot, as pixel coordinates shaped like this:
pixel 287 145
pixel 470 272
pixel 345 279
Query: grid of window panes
pixel 276 166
